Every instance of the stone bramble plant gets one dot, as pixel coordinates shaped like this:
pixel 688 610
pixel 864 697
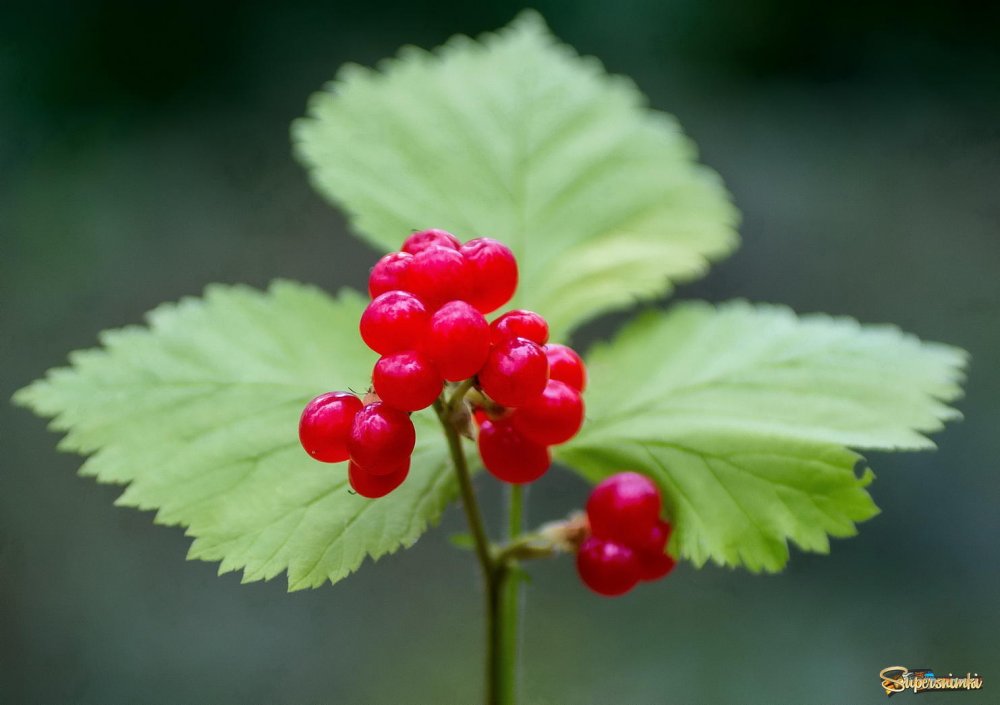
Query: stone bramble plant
pixel 715 433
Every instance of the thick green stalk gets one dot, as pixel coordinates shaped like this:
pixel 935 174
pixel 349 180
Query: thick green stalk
pixel 510 592
pixel 504 600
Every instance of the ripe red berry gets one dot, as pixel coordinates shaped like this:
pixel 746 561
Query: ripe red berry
pixel 566 366
pixel 381 438
pixel 457 341
pixel 407 381
pixel 515 372
pixel 438 275
pixel 493 271
pixel 325 425
pixel 374 486
pixel 606 567
pixel 520 324
pixel 394 322
pixel 654 563
pixel 552 417
pixel 425 238
pixel 508 455
pixel 389 273
pixel 624 507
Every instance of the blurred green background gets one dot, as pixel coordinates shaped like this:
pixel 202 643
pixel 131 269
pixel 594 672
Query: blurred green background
pixel 144 153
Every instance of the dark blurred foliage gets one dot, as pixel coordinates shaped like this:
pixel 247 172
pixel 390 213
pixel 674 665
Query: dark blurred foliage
pixel 144 153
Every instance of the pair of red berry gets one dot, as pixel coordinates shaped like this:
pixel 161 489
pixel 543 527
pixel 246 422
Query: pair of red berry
pixel 427 320
pixel 627 539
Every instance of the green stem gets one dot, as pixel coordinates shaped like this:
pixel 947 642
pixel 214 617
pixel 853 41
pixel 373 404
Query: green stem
pixel 499 673
pixel 507 586
pixel 499 567
pixel 472 511
pixel 511 591
pixel 458 395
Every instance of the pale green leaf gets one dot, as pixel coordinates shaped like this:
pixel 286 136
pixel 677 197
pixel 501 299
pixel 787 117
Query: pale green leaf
pixel 744 416
pixel 198 415
pixel 519 138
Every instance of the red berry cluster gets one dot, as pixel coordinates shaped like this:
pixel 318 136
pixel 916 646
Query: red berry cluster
pixel 375 437
pixel 628 539
pixel 516 431
pixel 427 320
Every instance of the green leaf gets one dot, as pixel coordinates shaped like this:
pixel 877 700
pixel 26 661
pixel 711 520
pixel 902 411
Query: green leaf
pixel 198 415
pixel 519 138
pixel 744 415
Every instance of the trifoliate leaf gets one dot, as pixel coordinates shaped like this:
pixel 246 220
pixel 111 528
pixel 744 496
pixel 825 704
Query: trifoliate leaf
pixel 517 137
pixel 744 416
pixel 198 415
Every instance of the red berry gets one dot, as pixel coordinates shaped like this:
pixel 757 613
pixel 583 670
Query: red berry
pixel 393 322
pixel 508 455
pixel 655 540
pixel 374 486
pixel 654 567
pixel 553 417
pixel 624 507
pixel 458 341
pixel 438 275
pixel 654 563
pixel 606 567
pixel 381 438
pixel 515 372
pixel 520 324
pixel 407 381
pixel 389 273
pixel 493 271
pixel 566 366
pixel 425 238
pixel 325 425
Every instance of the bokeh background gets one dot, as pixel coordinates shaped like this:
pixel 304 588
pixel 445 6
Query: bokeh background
pixel 144 153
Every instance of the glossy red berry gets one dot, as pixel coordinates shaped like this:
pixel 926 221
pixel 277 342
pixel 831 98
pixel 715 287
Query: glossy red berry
pixel 374 486
pixel 606 567
pixel 407 381
pixel 624 507
pixel 389 273
pixel 508 455
pixel 325 425
pixel 381 438
pixel 520 324
pixel 438 275
pixel 425 238
pixel 566 366
pixel 493 273
pixel 515 372
pixel 393 322
pixel 654 563
pixel 457 340
pixel 553 417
